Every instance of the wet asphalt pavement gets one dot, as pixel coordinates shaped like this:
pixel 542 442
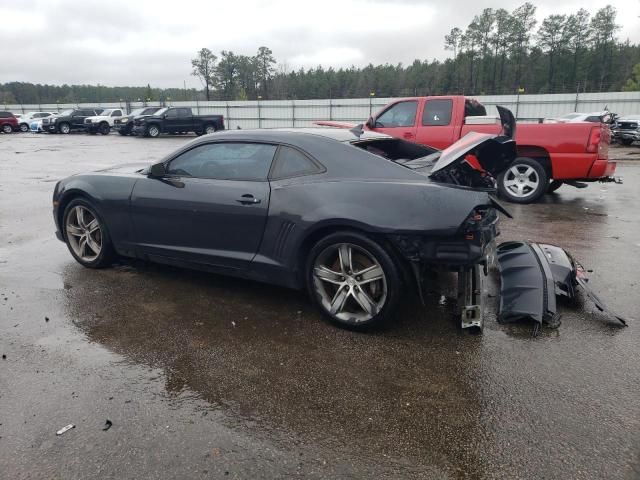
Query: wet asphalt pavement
pixel 211 377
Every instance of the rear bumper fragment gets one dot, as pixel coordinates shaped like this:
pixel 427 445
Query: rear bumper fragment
pixel 532 274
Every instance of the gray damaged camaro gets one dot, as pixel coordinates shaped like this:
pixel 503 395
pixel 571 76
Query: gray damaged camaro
pixel 354 217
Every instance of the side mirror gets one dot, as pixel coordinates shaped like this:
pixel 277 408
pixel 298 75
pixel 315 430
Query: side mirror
pixel 165 115
pixel 157 170
pixel 371 123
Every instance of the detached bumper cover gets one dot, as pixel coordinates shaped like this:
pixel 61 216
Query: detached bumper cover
pixel 532 274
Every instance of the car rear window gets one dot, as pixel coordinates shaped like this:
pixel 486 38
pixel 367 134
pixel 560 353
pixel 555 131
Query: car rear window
pixel 293 163
pixel 6 114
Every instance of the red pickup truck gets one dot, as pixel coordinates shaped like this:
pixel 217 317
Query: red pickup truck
pixel 548 154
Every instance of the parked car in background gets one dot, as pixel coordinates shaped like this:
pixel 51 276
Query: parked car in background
pixel 69 120
pixel 124 125
pixel 549 155
pixel 177 120
pixel 102 123
pixel 595 117
pixel 24 122
pixel 8 122
pixel 626 130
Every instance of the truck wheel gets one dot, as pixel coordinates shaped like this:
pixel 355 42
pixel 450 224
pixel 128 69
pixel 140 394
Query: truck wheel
pixel 24 127
pixel 554 185
pixel 525 181
pixel 7 128
pixel 123 132
pixel 153 131
pixel 104 128
pixel 64 127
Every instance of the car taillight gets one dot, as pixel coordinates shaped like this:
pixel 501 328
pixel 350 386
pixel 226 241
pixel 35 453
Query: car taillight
pixel 594 140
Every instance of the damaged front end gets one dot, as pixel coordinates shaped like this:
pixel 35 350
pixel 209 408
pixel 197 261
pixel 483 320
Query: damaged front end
pixel 532 275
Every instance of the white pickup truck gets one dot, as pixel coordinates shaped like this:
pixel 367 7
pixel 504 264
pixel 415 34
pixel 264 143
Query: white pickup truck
pixel 102 123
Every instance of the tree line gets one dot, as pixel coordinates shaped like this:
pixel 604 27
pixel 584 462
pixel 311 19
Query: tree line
pixel 498 52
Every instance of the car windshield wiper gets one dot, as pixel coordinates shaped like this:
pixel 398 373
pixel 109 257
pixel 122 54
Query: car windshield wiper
pixel 421 162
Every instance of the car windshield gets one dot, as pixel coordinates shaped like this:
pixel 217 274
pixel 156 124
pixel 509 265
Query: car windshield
pixel 161 111
pixel 137 111
pixel 107 112
pixel 66 112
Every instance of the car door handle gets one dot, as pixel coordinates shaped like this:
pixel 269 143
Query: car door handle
pixel 407 135
pixel 248 199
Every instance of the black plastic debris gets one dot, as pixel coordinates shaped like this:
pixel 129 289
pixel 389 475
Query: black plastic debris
pixel 532 274
pixel 107 425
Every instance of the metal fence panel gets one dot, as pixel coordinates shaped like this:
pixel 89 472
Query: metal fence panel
pixel 302 113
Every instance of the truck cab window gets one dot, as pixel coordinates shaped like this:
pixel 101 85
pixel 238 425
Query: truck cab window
pixel 402 114
pixel 437 112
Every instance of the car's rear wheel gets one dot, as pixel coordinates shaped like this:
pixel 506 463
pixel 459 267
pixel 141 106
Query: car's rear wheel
pixel 86 235
pixel 104 128
pixel 24 127
pixel 153 131
pixel 353 280
pixel 7 128
pixel 64 128
pixel 554 185
pixel 525 181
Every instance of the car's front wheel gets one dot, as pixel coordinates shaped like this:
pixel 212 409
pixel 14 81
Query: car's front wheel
pixel 353 280
pixel 525 181
pixel 24 127
pixel 7 128
pixel 64 128
pixel 86 235
pixel 153 131
pixel 104 128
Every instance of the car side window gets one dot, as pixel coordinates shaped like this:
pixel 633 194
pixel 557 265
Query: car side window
pixel 437 112
pixel 292 163
pixel 592 118
pixel 116 113
pixel 402 114
pixel 225 161
pixel 184 113
pixel 172 113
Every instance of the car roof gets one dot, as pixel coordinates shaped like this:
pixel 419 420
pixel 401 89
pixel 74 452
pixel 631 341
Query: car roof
pixel 330 146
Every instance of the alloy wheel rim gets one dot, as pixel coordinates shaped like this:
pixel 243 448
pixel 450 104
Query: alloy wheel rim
pixel 153 131
pixel 6 129
pixel 84 233
pixel 521 180
pixel 210 129
pixel 65 128
pixel 349 282
pixel 24 128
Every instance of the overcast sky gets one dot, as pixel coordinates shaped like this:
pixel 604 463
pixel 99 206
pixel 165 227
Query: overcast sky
pixel 135 42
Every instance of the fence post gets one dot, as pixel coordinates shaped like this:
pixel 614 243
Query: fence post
pixel 197 107
pixel 517 103
pixel 330 109
pixel 228 115
pixel 293 113
pixel 575 106
pixel 259 115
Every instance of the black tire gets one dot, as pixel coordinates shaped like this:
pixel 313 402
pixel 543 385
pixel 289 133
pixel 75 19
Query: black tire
pixel 362 246
pixel 152 131
pixel 24 127
pixel 6 128
pixel 123 132
pixel 104 128
pixel 531 181
pixel 107 253
pixel 626 141
pixel 64 128
pixel 554 185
